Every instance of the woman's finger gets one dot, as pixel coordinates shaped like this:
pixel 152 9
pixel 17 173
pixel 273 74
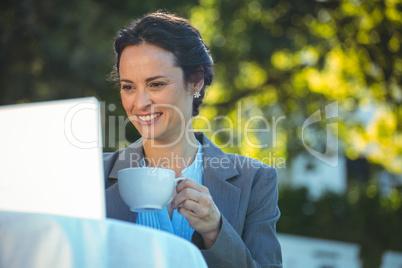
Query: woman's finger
pixel 189 183
pixel 185 194
pixel 190 206
pixel 188 214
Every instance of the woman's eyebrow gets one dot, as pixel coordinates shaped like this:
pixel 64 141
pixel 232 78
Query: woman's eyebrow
pixel 155 77
pixel 147 80
pixel 126 80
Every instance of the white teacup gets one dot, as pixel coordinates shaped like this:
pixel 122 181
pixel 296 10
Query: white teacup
pixel 147 189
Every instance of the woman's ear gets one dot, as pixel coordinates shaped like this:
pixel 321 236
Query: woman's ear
pixel 197 81
pixel 198 85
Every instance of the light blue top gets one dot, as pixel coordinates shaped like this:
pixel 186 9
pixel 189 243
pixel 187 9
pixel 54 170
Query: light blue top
pixel 160 220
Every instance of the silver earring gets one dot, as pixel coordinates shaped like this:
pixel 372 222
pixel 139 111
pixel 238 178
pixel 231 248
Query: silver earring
pixel 197 95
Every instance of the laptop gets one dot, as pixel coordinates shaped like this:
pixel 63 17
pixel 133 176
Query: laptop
pixel 51 158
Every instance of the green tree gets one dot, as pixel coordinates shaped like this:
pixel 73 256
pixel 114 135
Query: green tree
pixel 292 58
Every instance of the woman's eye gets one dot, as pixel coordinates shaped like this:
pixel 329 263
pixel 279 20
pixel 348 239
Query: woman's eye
pixel 126 87
pixel 157 84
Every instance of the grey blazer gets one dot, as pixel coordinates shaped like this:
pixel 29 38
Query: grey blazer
pixel 244 190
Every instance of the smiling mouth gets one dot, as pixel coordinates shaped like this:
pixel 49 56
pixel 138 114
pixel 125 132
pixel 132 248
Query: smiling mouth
pixel 148 118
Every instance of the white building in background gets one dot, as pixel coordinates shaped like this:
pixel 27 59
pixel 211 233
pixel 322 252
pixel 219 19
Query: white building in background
pixel 307 171
pixel 322 172
pixel 304 252
pixel 329 170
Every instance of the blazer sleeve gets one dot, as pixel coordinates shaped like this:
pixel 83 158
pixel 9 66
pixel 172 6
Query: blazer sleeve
pixel 257 245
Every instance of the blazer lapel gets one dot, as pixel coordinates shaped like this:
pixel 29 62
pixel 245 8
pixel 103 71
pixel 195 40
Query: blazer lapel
pixel 218 170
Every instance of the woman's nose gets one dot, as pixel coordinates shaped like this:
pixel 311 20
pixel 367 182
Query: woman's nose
pixel 142 100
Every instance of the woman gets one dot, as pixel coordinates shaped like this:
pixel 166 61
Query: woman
pixel 227 206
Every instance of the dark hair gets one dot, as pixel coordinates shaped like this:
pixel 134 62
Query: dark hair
pixel 175 35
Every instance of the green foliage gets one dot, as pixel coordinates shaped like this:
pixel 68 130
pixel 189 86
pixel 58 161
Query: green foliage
pixel 361 216
pixel 292 58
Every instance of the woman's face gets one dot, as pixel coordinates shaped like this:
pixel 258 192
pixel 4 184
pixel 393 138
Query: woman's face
pixel 153 92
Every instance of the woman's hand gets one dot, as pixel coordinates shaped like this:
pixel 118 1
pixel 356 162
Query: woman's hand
pixel 195 203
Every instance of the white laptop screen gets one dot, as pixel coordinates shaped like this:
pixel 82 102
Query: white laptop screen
pixel 51 158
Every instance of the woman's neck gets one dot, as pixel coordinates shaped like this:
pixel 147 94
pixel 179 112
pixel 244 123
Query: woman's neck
pixel 175 156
